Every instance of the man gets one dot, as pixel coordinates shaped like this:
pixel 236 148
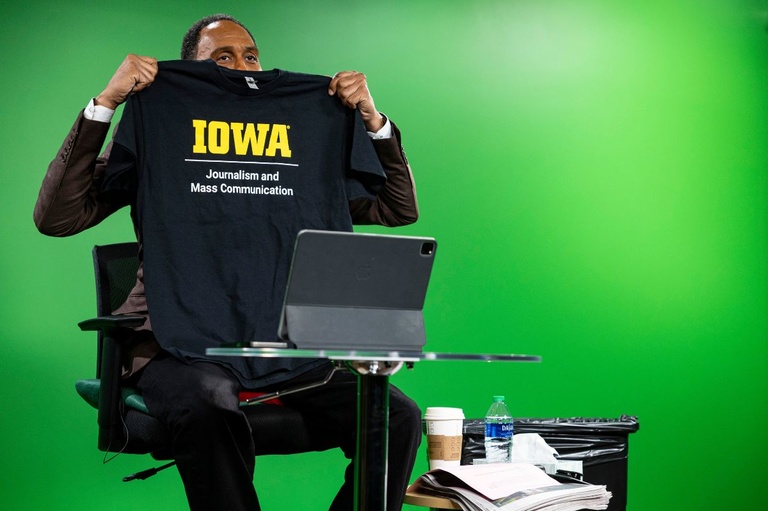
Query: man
pixel 197 399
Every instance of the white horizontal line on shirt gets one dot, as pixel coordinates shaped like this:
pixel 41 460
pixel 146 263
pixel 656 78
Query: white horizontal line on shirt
pixel 244 162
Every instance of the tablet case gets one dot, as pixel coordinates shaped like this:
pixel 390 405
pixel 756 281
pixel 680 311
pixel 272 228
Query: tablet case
pixel 354 291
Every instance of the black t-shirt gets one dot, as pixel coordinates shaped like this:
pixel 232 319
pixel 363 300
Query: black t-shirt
pixel 226 167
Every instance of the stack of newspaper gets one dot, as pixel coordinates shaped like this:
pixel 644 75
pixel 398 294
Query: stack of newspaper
pixel 509 487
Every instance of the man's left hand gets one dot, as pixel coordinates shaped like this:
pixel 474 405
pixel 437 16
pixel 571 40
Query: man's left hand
pixel 351 88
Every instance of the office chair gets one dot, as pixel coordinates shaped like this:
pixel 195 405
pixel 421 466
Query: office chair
pixel 124 423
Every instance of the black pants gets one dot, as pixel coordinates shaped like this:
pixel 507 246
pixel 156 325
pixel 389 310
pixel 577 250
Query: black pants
pixel 214 448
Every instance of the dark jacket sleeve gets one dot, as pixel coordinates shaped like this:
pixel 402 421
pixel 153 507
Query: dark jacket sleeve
pixel 69 200
pixel 395 204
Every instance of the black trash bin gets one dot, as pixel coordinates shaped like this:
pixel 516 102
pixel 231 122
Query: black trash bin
pixel 602 445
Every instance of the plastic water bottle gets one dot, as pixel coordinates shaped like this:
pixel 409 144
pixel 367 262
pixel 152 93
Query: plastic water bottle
pixel 498 432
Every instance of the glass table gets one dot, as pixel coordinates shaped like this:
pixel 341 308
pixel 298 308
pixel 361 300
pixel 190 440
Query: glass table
pixel 373 369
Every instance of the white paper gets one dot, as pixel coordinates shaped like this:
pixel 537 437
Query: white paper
pixel 532 448
pixel 497 480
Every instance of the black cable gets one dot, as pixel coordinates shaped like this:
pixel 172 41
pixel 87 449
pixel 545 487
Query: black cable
pixel 144 474
pixel 126 434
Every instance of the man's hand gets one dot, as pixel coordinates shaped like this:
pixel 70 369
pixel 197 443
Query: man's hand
pixel 134 74
pixel 352 89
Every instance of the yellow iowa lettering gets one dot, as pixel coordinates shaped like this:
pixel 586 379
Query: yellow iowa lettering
pixel 219 137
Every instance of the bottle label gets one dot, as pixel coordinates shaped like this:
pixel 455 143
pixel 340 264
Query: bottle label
pixel 503 430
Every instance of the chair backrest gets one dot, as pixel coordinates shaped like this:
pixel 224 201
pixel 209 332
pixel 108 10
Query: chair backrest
pixel 115 268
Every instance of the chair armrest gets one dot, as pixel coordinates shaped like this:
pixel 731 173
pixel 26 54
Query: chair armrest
pixel 109 323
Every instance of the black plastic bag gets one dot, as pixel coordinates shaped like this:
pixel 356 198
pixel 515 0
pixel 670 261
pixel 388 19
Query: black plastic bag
pixel 602 445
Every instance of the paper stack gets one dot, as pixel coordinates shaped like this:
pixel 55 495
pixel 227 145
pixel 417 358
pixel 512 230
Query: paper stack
pixel 509 487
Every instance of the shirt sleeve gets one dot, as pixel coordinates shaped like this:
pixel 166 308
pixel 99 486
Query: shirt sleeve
pixel 384 132
pixel 366 177
pixel 99 113
pixel 120 176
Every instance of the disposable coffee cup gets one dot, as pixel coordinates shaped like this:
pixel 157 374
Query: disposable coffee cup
pixel 444 428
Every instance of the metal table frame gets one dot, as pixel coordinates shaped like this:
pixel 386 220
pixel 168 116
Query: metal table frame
pixel 373 369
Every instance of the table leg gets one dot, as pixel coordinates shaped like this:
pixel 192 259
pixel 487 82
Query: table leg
pixel 372 442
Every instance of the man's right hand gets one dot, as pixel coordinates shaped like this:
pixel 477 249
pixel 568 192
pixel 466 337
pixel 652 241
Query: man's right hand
pixel 134 74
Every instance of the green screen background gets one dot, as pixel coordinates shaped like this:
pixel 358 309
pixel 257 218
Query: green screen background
pixel 594 172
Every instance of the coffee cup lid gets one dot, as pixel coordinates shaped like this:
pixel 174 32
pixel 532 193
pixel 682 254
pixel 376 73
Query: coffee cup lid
pixel 443 413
